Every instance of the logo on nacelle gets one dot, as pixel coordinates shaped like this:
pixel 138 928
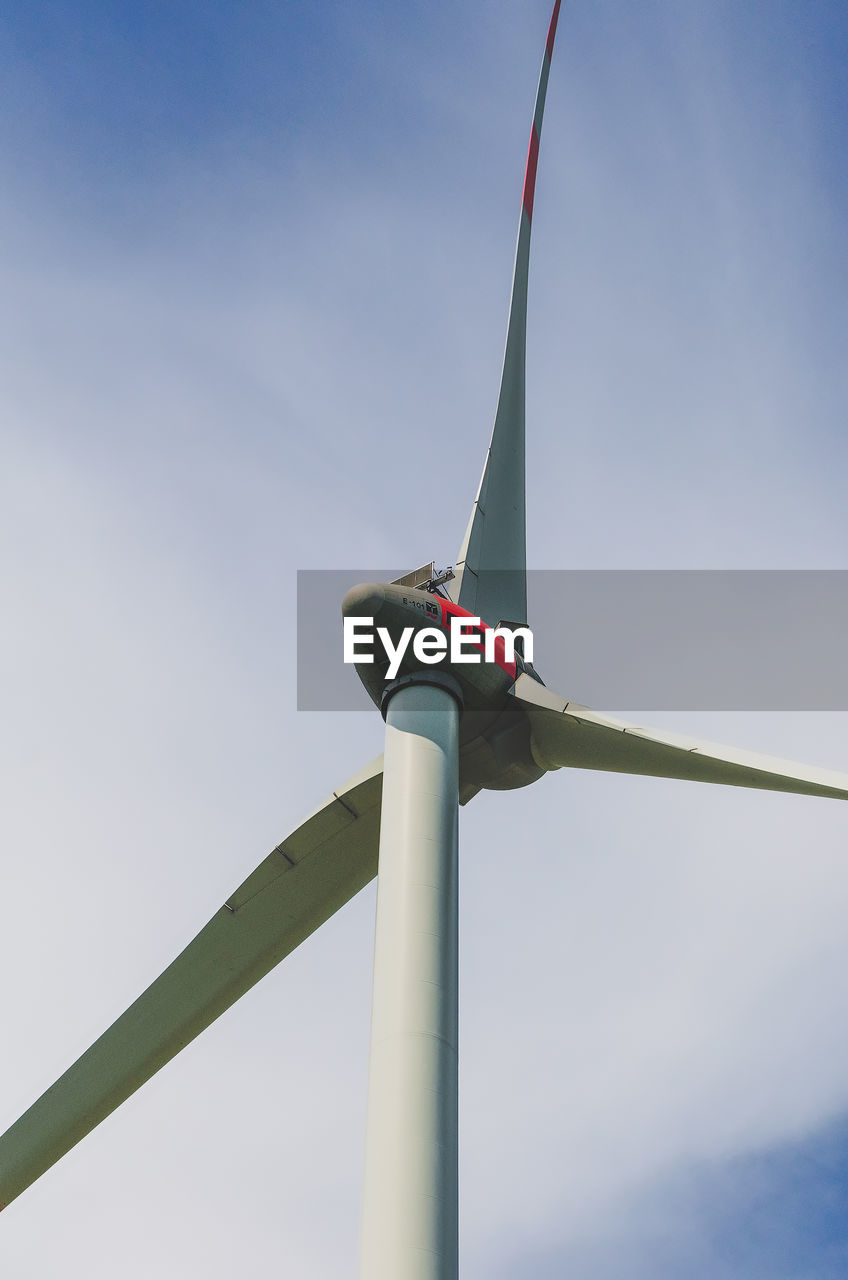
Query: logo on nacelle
pixel 427 607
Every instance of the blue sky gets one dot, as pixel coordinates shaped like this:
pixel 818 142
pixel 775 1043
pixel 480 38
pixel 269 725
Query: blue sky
pixel 254 297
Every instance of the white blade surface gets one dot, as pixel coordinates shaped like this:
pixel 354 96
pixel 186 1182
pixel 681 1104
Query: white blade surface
pixel 491 565
pixel 309 876
pixel 567 735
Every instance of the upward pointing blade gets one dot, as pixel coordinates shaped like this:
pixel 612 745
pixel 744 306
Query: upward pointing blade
pixel 491 566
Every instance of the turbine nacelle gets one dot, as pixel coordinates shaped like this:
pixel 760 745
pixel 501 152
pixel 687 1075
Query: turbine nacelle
pixel 393 631
pixel 494 731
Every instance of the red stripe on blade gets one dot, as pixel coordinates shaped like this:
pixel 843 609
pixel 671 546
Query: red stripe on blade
pixel 549 47
pixel 530 173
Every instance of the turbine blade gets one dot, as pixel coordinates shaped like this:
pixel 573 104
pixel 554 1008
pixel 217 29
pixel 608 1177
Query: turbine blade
pixel 566 735
pixel 308 877
pixel 492 562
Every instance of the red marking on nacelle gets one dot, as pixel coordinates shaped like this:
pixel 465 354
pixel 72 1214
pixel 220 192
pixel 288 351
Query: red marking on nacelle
pixel 451 610
pixel 530 173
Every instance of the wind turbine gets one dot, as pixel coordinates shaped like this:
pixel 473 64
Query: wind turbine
pixel 541 732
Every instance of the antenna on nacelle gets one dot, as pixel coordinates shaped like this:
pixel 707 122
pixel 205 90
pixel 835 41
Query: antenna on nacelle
pixel 426 578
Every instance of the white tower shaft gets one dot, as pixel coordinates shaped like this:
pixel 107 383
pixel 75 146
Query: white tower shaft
pixel 410 1202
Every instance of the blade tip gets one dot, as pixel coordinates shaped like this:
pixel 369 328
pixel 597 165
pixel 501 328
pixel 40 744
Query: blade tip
pixel 549 44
